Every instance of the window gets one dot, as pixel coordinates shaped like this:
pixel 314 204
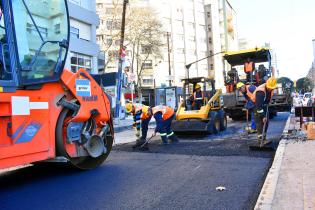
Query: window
pixel 57 28
pixel 147 64
pixel 80 61
pixel 39 58
pixel 74 32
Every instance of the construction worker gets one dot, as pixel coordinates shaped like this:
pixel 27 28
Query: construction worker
pixel 248 92
pixel 262 97
pixel 163 116
pixel 198 97
pixel 141 117
pixel 249 68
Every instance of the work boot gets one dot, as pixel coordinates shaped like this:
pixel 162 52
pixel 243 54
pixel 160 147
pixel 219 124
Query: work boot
pixel 138 143
pixel 164 140
pixel 251 131
pixel 173 139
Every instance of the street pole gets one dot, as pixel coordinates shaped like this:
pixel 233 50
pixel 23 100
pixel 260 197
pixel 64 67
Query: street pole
pixel 119 74
pixel 169 58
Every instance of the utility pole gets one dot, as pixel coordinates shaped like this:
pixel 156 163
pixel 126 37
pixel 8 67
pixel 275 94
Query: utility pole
pixel 169 58
pixel 119 74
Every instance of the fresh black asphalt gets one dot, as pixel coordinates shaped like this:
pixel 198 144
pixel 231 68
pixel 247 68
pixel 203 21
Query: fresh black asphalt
pixel 178 176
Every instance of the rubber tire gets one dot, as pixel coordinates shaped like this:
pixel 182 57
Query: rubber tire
pixel 223 120
pixel 214 123
pixel 83 163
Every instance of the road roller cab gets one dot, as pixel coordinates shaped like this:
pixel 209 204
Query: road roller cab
pixel 47 111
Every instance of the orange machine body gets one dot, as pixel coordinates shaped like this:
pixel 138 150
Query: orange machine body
pixel 28 118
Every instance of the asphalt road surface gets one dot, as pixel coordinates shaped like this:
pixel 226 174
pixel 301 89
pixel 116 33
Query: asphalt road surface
pixel 176 176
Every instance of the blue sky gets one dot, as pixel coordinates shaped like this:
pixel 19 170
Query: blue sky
pixel 289 26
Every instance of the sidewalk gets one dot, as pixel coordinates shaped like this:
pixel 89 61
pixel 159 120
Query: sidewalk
pixel 126 124
pixel 290 183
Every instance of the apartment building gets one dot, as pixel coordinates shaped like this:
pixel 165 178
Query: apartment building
pixel 184 27
pixel 84 50
pixel 221 20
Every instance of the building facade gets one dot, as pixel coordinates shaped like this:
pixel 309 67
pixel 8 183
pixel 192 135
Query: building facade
pixel 84 50
pixel 222 36
pixel 184 28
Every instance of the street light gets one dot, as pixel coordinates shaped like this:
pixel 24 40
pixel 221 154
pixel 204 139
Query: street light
pixel 189 65
pixel 209 56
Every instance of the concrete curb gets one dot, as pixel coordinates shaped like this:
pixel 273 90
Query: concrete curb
pixel 267 193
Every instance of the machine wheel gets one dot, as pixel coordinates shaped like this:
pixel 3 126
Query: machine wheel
pixel 214 123
pixel 86 162
pixel 223 120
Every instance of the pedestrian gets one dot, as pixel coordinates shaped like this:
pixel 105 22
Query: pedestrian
pixel 163 116
pixel 249 68
pixel 248 93
pixel 198 97
pixel 262 98
pixel 141 117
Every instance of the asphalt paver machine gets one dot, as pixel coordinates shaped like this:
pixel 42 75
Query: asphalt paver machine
pixel 46 111
pixel 234 101
pixel 210 118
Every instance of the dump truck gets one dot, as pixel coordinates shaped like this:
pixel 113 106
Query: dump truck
pixel 234 101
pixel 210 118
pixel 47 112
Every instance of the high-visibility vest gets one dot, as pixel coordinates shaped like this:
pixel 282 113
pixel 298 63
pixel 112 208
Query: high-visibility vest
pixel 248 67
pixel 140 107
pixel 144 115
pixel 166 111
pixel 198 98
pixel 250 95
pixel 262 88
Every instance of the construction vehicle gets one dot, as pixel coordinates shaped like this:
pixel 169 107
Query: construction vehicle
pixel 234 101
pixel 47 112
pixel 210 118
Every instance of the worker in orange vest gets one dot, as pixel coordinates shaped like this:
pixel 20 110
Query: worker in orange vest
pixel 163 116
pixel 141 117
pixel 198 97
pixel 249 68
pixel 248 93
pixel 262 98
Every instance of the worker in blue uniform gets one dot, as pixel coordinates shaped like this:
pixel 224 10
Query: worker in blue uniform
pixel 142 119
pixel 248 93
pixel 163 116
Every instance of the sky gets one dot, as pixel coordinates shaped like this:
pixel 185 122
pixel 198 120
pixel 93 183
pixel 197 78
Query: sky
pixel 289 26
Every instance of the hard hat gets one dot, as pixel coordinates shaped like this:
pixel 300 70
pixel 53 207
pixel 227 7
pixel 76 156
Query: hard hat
pixel 197 86
pixel 239 85
pixel 271 83
pixel 129 107
pixel 145 110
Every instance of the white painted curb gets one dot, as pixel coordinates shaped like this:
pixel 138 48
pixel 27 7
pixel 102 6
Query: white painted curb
pixel 264 201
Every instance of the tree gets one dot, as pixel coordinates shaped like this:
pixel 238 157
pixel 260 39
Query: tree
pixel 144 36
pixel 304 85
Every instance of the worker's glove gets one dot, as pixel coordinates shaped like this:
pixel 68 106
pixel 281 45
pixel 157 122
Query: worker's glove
pixel 138 133
pixel 265 120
